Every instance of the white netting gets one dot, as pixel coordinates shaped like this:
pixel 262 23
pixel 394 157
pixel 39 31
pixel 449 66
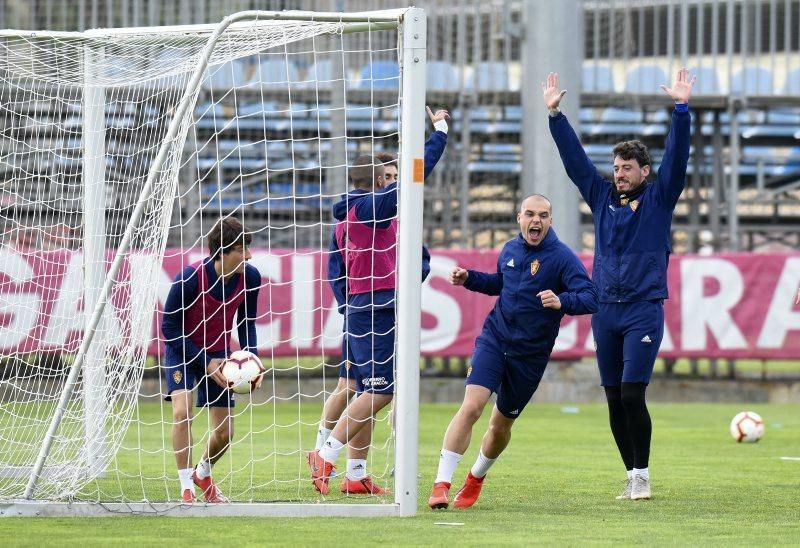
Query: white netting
pixel 283 108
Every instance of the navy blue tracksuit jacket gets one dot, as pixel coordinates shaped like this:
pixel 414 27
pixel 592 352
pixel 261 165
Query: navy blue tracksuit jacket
pixel 383 210
pixel 519 323
pixel 632 242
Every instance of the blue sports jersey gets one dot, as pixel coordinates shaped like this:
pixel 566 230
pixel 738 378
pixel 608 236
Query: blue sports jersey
pixel 184 291
pixel 632 240
pixel 380 207
pixel 518 323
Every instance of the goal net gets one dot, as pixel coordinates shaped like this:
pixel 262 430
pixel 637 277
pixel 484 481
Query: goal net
pixel 120 150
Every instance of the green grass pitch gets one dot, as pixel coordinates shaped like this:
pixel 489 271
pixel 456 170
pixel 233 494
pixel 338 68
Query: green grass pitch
pixel 555 485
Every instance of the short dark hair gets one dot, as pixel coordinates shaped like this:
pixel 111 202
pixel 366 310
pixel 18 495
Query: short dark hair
pixel 387 159
pixel 364 171
pixel 632 150
pixel 227 234
pixel 542 196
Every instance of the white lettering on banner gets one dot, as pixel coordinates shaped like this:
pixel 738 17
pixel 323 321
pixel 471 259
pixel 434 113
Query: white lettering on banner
pixel 567 337
pixel 148 281
pixel 332 328
pixel 441 306
pixel 780 317
pixel 269 334
pixel 21 309
pixel 65 316
pixel 699 312
pixel 666 343
pixel 303 291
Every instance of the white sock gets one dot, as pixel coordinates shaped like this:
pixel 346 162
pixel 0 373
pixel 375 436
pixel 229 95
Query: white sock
pixel 322 435
pixel 356 469
pixel 185 477
pixel 203 469
pixel 330 449
pixel 448 461
pixel 482 465
pixel 630 474
pixel 644 472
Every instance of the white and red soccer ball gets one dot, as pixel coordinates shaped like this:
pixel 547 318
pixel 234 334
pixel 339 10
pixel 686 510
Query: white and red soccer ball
pixel 243 371
pixel 747 427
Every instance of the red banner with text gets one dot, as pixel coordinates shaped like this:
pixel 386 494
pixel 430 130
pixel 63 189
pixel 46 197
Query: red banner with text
pixel 725 305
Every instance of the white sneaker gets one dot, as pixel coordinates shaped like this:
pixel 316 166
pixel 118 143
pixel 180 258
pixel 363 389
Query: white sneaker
pixel 626 493
pixel 641 488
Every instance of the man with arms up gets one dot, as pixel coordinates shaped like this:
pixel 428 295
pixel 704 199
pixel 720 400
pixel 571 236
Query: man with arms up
pixel 632 222
pixel 366 237
pixel 357 481
pixel 538 280
pixel 198 320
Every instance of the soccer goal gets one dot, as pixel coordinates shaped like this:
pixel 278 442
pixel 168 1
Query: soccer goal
pixel 120 149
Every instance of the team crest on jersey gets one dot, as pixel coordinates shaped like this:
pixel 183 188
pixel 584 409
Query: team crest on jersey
pixel 177 376
pixel 469 371
pixel 634 204
pixel 535 267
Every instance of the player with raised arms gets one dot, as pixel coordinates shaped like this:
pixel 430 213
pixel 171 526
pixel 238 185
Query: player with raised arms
pixel 357 480
pixel 538 280
pixel 632 226
pixel 206 300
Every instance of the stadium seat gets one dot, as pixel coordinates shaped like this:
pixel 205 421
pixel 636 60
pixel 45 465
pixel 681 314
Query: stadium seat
pixel 792 84
pixel 597 78
pixel 380 75
pixel 752 81
pixel 707 81
pixel 646 79
pixel 489 76
pixel 226 75
pixel 442 76
pixel 274 73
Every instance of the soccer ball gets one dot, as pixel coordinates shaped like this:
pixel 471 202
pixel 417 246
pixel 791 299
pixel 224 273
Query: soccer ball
pixel 243 371
pixel 747 426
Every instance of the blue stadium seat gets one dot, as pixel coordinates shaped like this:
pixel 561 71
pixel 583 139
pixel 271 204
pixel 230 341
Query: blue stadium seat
pixel 442 76
pixel 320 74
pixel 489 76
pixel 226 75
pixel 274 73
pixel 792 84
pixel 646 79
pixel 597 78
pixel 380 75
pixel 707 80
pixel 752 81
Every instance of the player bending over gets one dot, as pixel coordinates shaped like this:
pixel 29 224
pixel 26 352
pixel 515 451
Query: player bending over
pixel 198 319
pixel 538 280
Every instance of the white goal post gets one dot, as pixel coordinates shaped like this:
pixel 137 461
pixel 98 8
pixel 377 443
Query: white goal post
pixel 120 148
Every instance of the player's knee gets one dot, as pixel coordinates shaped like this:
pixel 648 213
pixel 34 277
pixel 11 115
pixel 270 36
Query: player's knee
pixel 471 411
pixel 632 395
pixel 181 415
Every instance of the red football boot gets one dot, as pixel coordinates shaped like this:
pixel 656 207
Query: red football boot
pixel 439 496
pixel 320 471
pixel 210 491
pixel 363 486
pixel 469 492
pixel 188 497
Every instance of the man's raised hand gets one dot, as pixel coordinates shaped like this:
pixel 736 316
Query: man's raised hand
pixel 682 87
pixel 550 92
pixel 549 299
pixel 438 115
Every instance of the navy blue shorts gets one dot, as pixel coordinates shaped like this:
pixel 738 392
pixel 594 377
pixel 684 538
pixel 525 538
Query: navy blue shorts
pixel 514 379
pixel 371 347
pixel 185 376
pixel 627 337
pixel 345 371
